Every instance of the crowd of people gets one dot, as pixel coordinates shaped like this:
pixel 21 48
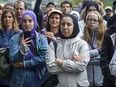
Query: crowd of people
pixel 84 54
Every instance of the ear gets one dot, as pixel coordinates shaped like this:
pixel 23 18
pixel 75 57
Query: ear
pixel 71 8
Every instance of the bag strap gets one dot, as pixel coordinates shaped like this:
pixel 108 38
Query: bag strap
pixel 34 50
pixel 55 46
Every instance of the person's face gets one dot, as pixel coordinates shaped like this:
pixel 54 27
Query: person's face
pixel 8 20
pixel 44 23
pixel 19 9
pixel 67 26
pixel 92 21
pixel 27 23
pixel 54 20
pixel 50 7
pixel 108 12
pixel 66 8
pixel 91 8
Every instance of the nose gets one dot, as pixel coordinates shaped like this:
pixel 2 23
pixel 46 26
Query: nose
pixel 18 10
pixel 27 23
pixel 92 21
pixel 7 18
pixel 65 26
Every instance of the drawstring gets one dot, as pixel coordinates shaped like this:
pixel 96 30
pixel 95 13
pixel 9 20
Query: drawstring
pixel 93 75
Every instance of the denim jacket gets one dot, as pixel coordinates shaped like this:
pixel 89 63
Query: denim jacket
pixel 29 76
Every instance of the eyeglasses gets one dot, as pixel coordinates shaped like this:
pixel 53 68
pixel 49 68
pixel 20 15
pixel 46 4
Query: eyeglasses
pixel 92 20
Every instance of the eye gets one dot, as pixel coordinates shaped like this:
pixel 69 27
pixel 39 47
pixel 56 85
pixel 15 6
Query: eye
pixel 57 18
pixel 30 20
pixel 63 24
pixel 68 24
pixel 95 20
pixel 10 16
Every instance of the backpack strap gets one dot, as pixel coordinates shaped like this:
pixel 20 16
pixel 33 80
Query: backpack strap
pixel 55 46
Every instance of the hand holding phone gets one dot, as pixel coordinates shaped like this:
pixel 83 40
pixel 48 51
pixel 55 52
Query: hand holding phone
pixel 27 35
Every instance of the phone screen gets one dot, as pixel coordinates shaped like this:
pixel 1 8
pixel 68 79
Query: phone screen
pixel 27 34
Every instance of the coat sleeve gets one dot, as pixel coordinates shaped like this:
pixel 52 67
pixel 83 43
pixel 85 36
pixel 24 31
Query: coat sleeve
pixel 68 65
pixel 50 58
pixel 38 13
pixel 78 66
pixel 14 51
pixel 105 55
pixel 112 65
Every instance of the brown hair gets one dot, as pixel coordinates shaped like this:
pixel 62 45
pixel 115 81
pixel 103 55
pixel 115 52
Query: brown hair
pixel 1 7
pixel 14 24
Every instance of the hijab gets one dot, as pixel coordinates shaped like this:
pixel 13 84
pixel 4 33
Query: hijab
pixel 75 28
pixel 33 16
pixel 92 4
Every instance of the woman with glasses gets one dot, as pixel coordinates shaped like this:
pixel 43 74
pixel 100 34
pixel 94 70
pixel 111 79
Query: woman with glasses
pixel 91 6
pixel 94 30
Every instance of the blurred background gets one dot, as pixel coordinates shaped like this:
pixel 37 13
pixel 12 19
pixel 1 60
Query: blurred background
pixel 56 2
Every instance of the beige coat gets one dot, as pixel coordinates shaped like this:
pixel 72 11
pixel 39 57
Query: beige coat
pixel 72 73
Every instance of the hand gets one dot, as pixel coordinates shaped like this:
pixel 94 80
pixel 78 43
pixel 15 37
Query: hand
pixel 78 58
pixel 18 64
pixel 58 61
pixel 50 35
pixel 25 42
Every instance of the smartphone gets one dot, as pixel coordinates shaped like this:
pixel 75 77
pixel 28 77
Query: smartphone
pixel 27 34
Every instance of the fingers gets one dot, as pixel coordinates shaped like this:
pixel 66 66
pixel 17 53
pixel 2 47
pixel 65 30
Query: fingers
pixel 26 41
pixel 78 58
pixel 58 61
pixel 49 34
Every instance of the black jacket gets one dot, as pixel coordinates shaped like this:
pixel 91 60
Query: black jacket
pixel 106 54
pixel 39 14
pixel 111 21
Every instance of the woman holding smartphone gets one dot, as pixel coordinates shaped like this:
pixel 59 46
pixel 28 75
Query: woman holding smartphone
pixel 27 54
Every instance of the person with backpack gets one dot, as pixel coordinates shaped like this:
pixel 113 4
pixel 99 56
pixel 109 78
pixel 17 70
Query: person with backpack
pixel 9 27
pixel 72 56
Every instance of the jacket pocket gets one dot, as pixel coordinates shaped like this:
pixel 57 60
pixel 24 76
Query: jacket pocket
pixel 83 83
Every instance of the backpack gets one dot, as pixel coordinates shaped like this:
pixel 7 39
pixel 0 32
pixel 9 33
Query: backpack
pixel 5 66
pixel 52 80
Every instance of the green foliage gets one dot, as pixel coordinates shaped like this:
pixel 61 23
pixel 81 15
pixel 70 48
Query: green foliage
pixel 109 3
pixel 75 2
pixel 105 2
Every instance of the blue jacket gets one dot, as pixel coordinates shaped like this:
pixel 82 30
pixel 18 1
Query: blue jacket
pixel 5 37
pixel 34 68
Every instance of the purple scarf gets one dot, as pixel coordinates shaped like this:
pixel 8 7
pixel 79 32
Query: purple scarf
pixel 32 35
pixel 33 16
